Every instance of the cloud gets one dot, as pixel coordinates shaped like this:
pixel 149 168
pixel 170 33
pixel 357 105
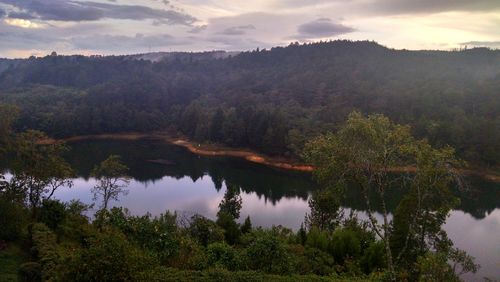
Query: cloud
pixel 2 13
pixel 323 27
pixel 21 15
pixel 198 29
pixel 489 44
pixel 429 6
pixel 70 10
pixel 237 30
pixel 122 43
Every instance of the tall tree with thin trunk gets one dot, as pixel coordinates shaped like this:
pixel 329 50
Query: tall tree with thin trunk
pixel 112 179
pixel 375 154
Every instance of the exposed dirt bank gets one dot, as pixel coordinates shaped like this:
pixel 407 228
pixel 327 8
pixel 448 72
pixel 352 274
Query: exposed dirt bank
pixel 217 150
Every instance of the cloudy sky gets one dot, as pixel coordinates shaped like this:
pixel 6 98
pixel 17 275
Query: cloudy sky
pixel 37 27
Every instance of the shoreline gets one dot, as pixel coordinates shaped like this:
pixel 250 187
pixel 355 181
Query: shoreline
pixel 251 156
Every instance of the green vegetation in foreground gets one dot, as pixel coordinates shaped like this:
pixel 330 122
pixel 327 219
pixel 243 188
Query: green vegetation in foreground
pixel 11 259
pixel 63 244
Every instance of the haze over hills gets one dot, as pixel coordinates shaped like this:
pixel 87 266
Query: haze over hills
pixel 269 100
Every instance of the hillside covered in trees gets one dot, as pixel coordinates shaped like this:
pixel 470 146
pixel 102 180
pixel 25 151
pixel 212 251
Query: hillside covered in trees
pixel 273 100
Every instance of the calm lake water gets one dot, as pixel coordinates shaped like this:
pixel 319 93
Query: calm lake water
pixel 193 184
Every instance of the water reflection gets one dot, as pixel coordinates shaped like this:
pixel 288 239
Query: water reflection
pixel 272 185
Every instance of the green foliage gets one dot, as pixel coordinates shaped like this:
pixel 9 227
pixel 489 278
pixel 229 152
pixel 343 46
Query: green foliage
pixel 8 114
pixel 231 203
pixel 158 235
pixel 30 272
pixel 434 267
pixel 318 262
pixel 39 169
pixel 222 255
pixel 344 244
pixel 246 226
pixel 373 258
pixel 108 256
pixel 205 231
pixel 317 239
pixel 191 255
pixel 13 219
pixel 162 274
pixel 45 249
pixel 231 229
pixel 11 259
pixel 376 155
pixel 112 178
pixel 268 253
pixel 326 212
pixel 52 213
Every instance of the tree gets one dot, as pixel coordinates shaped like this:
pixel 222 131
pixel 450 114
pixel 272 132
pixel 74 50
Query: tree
pixel 39 169
pixel 7 117
pixel 216 126
pixel 326 212
pixel 268 253
pixel 112 179
pixel 375 155
pixel 247 225
pixel 8 114
pixel 231 203
pixel 229 211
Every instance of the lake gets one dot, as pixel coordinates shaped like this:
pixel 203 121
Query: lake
pixel 192 184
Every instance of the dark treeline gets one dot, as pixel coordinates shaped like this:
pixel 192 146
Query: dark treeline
pixel 269 100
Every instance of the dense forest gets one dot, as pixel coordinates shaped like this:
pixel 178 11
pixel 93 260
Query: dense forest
pixel 268 100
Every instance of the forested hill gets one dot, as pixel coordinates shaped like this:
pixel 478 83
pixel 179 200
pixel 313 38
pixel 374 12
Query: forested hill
pixel 269 100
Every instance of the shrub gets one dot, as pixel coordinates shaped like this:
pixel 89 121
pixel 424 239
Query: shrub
pixel 317 239
pixel 45 249
pixel 109 257
pixel 268 253
pixel 344 244
pixel 13 218
pixel 157 235
pixel 191 255
pixel 232 231
pixel 205 231
pixel 52 213
pixel 30 272
pixel 373 257
pixel 221 255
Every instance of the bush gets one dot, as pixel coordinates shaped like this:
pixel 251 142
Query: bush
pixel 373 258
pixel 205 231
pixel 317 239
pixel 221 255
pixel 52 213
pixel 45 249
pixel 109 257
pixel 30 272
pixel 12 220
pixel 163 274
pixel 191 255
pixel 319 262
pixel 158 235
pixel 344 244
pixel 232 231
pixel 435 267
pixel 268 253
